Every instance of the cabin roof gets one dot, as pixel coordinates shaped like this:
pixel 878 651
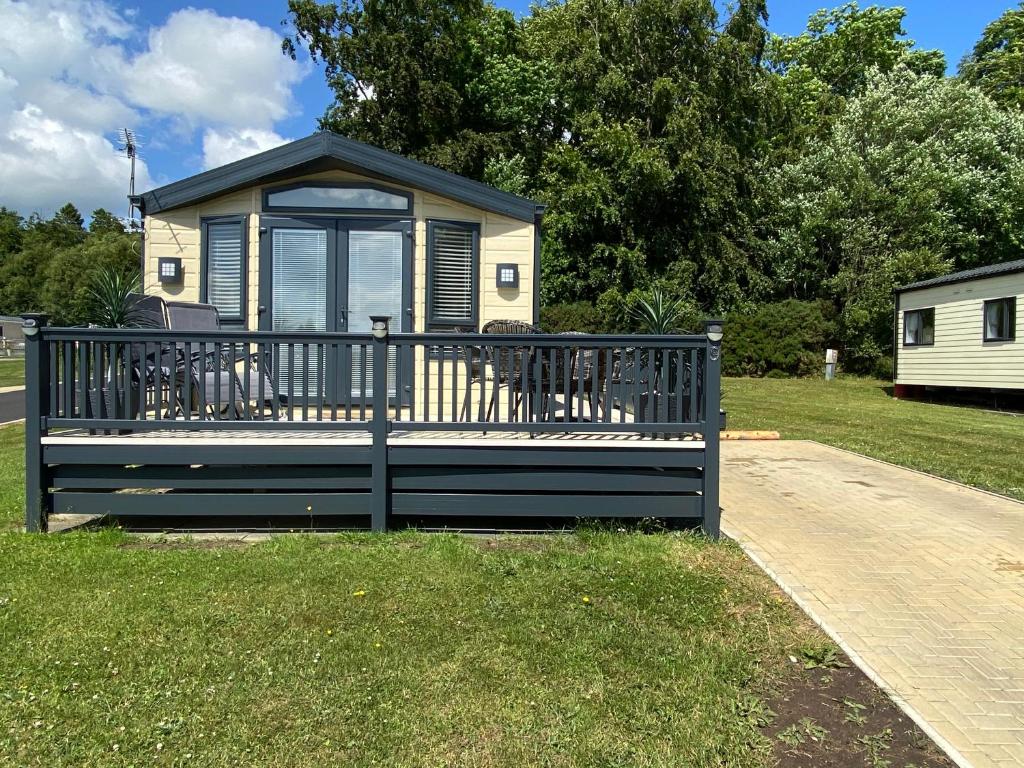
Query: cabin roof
pixel 328 151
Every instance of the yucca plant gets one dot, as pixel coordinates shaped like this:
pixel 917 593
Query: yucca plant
pixel 111 292
pixel 658 313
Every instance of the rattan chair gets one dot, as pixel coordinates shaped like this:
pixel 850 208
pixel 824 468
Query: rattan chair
pixel 515 376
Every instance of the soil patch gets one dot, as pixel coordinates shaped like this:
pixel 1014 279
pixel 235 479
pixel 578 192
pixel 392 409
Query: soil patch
pixel 832 716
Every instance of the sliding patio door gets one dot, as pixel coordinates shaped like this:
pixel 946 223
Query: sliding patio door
pixel 331 274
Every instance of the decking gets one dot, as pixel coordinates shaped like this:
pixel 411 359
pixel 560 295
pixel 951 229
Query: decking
pixel 541 441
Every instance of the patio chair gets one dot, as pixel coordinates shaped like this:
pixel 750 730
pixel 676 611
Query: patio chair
pixel 209 369
pixel 160 370
pixel 513 376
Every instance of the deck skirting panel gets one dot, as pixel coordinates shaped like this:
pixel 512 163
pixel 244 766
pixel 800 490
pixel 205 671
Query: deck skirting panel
pixel 458 483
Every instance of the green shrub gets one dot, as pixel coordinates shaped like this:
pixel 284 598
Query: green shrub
pixel 580 316
pixel 784 338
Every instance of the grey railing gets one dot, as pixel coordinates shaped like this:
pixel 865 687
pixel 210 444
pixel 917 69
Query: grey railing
pixel 111 380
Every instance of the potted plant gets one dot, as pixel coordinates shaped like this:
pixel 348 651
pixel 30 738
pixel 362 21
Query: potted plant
pixel 111 291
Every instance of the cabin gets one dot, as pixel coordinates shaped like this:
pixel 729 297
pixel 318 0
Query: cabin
pixel 961 332
pixel 337 336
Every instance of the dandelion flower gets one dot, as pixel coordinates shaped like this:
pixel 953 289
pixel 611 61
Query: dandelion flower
pixel 359 593
pixel 586 599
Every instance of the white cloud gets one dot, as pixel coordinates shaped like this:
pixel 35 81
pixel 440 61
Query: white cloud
pixel 44 163
pixel 221 147
pixel 207 68
pixel 73 72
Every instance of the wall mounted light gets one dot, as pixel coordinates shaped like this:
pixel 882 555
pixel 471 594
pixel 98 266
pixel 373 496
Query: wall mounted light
pixel 714 331
pixel 508 276
pixel 169 269
pixel 379 327
pixel 30 326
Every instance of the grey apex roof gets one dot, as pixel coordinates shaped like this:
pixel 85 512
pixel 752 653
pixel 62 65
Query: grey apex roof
pixel 992 270
pixel 325 151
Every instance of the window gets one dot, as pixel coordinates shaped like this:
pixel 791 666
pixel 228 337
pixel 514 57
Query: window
pixel 1001 319
pixel 452 255
pixel 223 271
pixel 919 327
pixel 337 198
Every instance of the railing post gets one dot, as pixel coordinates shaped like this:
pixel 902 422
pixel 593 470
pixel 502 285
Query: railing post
pixel 380 486
pixel 712 425
pixel 37 405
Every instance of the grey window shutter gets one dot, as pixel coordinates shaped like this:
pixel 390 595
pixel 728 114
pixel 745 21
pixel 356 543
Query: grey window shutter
pixel 225 268
pixel 452 269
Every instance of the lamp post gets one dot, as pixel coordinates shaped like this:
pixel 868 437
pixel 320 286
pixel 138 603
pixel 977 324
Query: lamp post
pixel 379 483
pixel 714 331
pixel 37 403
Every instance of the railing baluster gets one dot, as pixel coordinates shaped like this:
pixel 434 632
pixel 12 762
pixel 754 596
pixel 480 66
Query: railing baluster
pixel 413 357
pixel 187 368
pixel 399 378
pixel 665 386
pixel 455 383
pixel 291 382
pixel 321 378
pixel 362 381
pixel 638 417
pixel 550 380
pixel 53 385
pixel 692 380
pixel 201 376
pixel 580 359
pixel 275 382
pixel 606 402
pixel 426 382
pixel 305 381
pixel 481 361
pixel 679 386
pixel 97 379
pixel 440 383
pixel 246 384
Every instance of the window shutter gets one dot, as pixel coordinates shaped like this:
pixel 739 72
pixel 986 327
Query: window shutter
pixel 452 270
pixel 225 268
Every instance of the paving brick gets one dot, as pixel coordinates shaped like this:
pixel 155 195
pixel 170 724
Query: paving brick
pixel 906 570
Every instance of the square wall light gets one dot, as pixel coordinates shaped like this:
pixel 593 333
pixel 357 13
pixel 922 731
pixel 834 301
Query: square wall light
pixel 169 270
pixel 508 276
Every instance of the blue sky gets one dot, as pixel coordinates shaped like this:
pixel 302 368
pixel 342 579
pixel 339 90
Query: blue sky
pixel 205 83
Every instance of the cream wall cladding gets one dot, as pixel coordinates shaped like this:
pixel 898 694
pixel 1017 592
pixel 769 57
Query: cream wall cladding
pixel 176 233
pixel 960 357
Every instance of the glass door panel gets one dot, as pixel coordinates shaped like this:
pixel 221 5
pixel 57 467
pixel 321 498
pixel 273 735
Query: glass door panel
pixel 375 267
pixel 299 303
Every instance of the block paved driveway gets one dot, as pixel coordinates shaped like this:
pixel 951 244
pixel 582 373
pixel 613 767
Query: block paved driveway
pixel 920 578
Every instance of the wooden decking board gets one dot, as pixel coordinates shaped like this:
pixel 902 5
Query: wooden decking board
pixel 349 438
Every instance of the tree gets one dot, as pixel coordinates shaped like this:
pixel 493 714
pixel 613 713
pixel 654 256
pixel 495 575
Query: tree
pixel 11 231
pixel 651 175
pixel 996 65
pixel 919 176
pixel 438 80
pixel 66 293
pixel 832 59
pixel 103 221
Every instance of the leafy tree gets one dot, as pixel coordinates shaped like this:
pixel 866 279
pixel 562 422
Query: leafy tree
pixel 996 65
pixel 103 221
pixel 11 231
pixel 920 175
pixel 438 80
pixel 832 60
pixel 651 176
pixel 66 293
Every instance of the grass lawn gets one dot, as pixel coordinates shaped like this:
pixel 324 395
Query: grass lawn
pixel 12 372
pixel 971 445
pixel 601 648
